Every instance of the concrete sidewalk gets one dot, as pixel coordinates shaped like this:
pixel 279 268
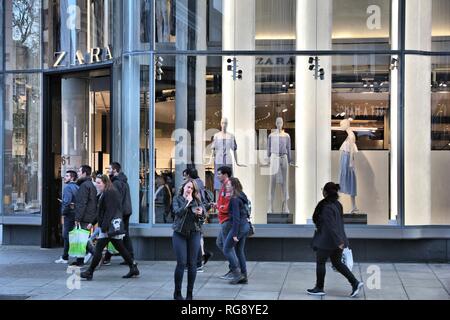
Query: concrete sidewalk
pixel 29 273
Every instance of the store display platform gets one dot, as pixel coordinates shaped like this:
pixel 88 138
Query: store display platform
pixel 355 218
pixel 280 218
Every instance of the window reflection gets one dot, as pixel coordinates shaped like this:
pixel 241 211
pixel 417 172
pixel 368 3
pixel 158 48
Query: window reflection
pixel 21 189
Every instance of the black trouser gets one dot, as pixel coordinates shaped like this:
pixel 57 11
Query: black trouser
pixel 186 250
pixel 101 244
pixel 336 259
pixel 126 240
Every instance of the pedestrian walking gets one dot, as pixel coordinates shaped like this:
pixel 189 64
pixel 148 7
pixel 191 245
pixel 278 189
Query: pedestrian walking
pixel 85 203
pixel 222 206
pixel 234 246
pixel 120 182
pixel 189 216
pixel 68 211
pixel 330 240
pixel 109 219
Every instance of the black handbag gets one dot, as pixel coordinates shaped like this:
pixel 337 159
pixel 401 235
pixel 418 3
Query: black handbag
pixel 116 227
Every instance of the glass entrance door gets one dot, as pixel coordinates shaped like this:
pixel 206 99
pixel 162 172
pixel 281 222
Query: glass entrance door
pixel 78 126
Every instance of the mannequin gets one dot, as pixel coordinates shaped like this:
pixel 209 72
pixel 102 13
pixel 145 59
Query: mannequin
pixel 347 172
pixel 279 158
pixel 223 143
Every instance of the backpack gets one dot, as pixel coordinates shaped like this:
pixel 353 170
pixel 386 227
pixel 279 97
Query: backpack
pixel 248 210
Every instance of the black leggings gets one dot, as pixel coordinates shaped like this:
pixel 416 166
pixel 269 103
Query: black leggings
pixel 336 259
pixel 101 244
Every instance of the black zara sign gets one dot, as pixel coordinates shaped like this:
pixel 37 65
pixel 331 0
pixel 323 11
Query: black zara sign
pixel 275 61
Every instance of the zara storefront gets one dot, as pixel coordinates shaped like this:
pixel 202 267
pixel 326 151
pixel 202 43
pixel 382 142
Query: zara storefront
pixel 290 93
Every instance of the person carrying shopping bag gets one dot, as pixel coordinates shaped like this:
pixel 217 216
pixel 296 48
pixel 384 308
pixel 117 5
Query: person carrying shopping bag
pixel 330 240
pixel 109 219
pixel 189 215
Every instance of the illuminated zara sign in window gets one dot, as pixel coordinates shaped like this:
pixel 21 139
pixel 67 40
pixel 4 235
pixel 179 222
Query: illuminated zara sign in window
pixel 95 55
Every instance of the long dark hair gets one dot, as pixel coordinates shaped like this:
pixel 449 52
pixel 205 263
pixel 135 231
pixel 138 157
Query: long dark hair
pixel 331 194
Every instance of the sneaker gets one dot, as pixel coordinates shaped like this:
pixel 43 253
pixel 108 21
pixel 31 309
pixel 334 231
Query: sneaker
pixel 315 292
pixel 61 260
pixel 87 258
pixel 356 289
pixel 227 276
pixel 200 270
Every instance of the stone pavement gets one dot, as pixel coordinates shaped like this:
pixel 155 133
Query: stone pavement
pixel 29 273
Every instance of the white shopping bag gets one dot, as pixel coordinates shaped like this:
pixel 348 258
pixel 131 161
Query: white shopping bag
pixel 347 258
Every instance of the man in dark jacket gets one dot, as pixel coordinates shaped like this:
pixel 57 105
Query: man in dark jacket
pixel 86 202
pixel 67 211
pixel 120 182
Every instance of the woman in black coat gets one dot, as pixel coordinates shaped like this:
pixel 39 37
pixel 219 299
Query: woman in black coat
pixel 330 240
pixel 109 218
pixel 189 215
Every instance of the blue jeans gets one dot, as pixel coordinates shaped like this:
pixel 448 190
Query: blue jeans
pixel 69 225
pixel 186 249
pixel 234 251
pixel 223 233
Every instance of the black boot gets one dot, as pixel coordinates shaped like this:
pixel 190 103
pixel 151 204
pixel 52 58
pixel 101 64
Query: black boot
pixel 134 272
pixel 244 279
pixel 177 295
pixel 237 276
pixel 189 295
pixel 208 255
pixel 88 274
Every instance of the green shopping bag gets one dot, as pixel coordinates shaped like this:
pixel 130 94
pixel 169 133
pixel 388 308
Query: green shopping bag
pixel 78 239
pixel 112 249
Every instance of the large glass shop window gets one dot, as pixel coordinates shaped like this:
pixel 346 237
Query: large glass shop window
pixel 440 140
pixel 237 112
pixel 22 34
pixel 77 31
pixel 21 180
pixel 360 136
pixel 286 125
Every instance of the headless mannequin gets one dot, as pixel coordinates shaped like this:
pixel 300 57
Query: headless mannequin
pixel 349 145
pixel 224 135
pixel 279 153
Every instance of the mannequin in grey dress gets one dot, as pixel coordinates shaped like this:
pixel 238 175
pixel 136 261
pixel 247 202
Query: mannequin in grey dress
pixel 279 159
pixel 223 146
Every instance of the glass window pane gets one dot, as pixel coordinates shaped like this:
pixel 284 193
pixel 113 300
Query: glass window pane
pixel 361 137
pixel 21 182
pixel 274 25
pixel 362 25
pixel 440 140
pixel 440 25
pixel 1 37
pixel 78 32
pixel 23 34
